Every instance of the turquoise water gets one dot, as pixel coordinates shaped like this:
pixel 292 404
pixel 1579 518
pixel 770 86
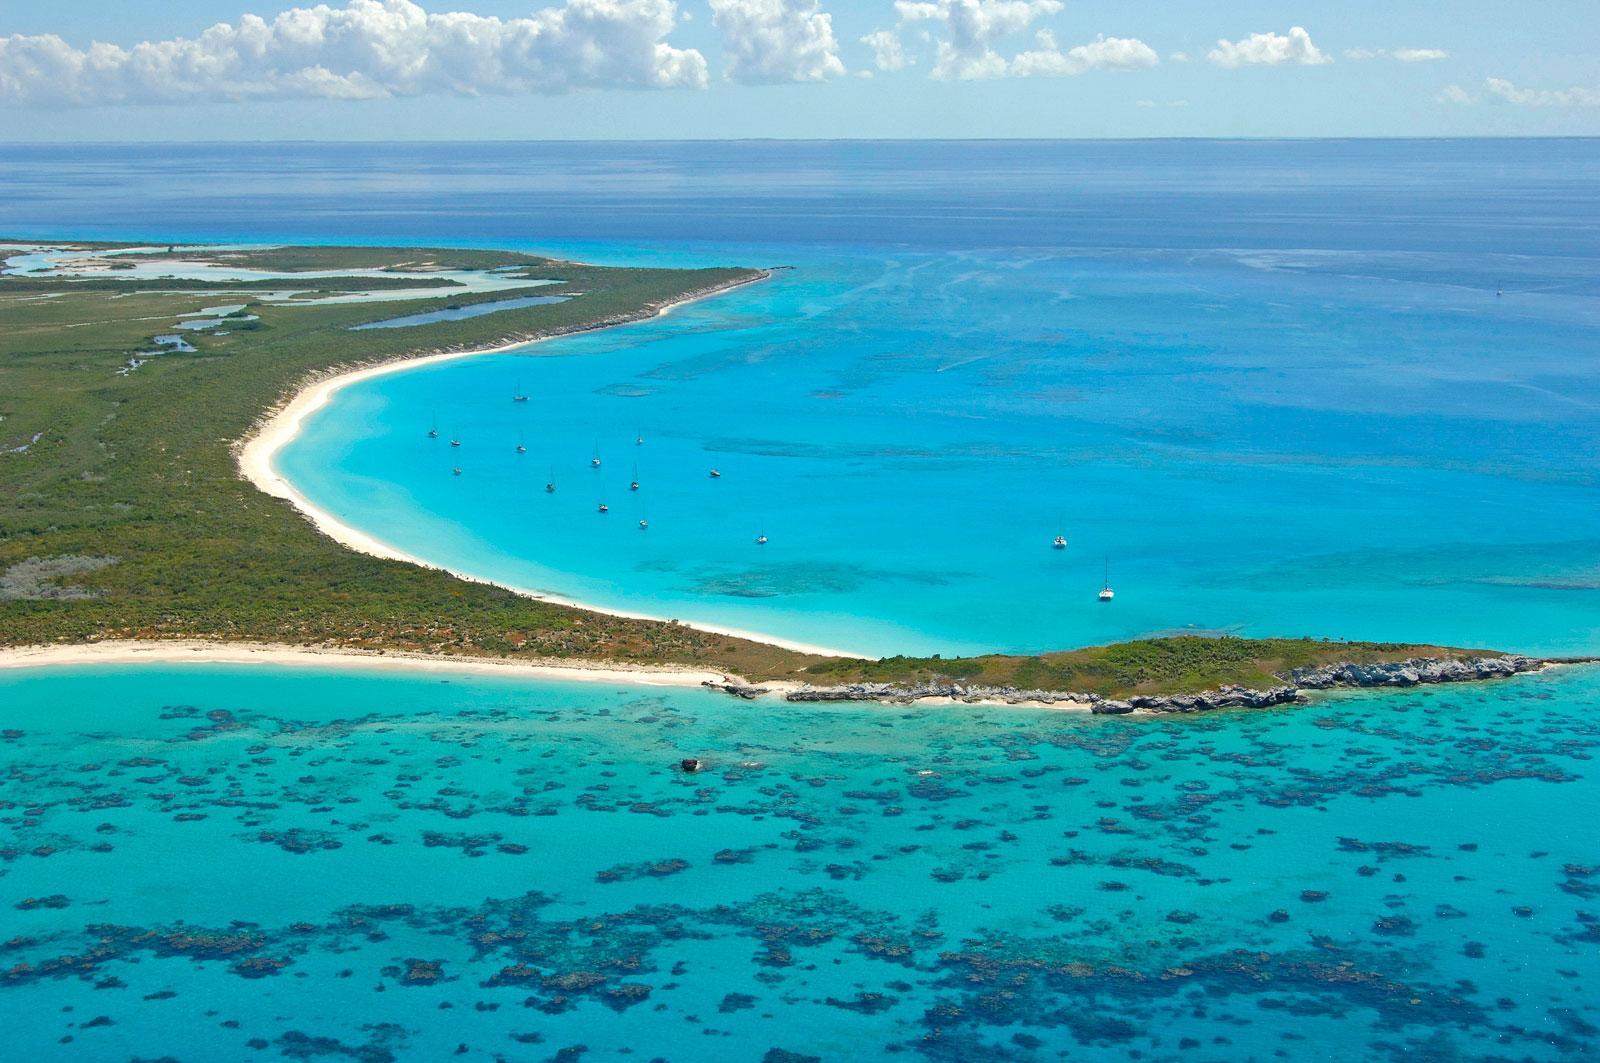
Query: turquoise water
pixel 459 313
pixel 214 862
pixel 1356 429
pixel 1273 382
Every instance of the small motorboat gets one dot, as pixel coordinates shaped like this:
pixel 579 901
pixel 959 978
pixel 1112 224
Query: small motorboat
pixel 456 471
pixel 716 474
pixel 455 442
pixel 604 508
pixel 521 449
pixel 643 524
pixel 1060 542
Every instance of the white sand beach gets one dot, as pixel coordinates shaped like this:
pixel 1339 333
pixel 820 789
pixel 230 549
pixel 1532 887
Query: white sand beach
pixel 278 429
pixel 194 651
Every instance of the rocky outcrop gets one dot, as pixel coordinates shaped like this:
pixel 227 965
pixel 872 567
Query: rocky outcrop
pixel 904 694
pixel 1413 672
pixel 1416 671
pixel 1227 698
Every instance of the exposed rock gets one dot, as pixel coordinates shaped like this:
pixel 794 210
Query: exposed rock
pixel 748 693
pixel 905 694
pixel 1412 672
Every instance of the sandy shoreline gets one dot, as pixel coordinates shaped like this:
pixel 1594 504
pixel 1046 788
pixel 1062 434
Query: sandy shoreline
pixel 191 651
pixel 280 427
pixel 272 655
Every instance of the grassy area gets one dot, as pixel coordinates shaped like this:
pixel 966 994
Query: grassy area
pixel 122 514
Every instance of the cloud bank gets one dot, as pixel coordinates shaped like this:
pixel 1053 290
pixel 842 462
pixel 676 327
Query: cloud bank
pixel 972 27
pixel 1269 49
pixel 365 49
pixel 774 41
pixel 1576 96
pixel 1104 53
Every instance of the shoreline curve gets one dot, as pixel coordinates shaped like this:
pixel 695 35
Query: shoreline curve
pixel 279 427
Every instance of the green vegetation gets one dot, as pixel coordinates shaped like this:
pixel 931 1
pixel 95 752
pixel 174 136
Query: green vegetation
pixel 122 514
pixel 1149 666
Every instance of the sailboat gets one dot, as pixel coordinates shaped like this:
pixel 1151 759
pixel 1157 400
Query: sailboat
pixel 761 540
pixel 1060 542
pixel 1106 593
pixel 455 442
pixel 521 447
pixel 518 396
pixel 638 439
pixel 604 508
pixel 644 523
pixel 550 484
pixel 433 432
pixel 594 462
pixel 456 471
pixel 716 474
pixel 633 485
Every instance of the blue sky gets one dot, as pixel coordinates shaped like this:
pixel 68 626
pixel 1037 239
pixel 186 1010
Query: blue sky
pixel 485 69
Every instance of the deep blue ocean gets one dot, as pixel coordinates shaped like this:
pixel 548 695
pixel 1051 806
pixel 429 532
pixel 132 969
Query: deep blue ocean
pixel 1277 388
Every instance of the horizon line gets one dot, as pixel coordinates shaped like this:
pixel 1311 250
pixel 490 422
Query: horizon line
pixel 1261 138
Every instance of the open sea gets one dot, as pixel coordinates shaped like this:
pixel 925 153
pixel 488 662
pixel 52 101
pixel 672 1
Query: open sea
pixel 1273 388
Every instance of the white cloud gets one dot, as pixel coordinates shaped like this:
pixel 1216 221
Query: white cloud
pixel 887 51
pixel 1576 96
pixel 1104 53
pixel 1420 55
pixel 366 49
pixel 1403 55
pixel 1269 49
pixel 772 41
pixel 971 28
pixel 1455 94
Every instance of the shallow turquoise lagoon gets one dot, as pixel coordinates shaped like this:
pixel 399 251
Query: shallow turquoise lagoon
pixel 1264 443
pixel 214 862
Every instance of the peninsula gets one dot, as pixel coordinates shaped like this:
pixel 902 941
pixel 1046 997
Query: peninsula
pixel 140 384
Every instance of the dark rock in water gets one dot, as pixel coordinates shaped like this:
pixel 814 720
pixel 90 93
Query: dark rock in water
pixel 748 693
pixel 783 1055
pixel 1226 698
pixel 690 765
pixel 1413 672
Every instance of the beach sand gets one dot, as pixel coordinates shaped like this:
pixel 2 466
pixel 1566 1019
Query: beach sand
pixel 198 652
pixel 279 429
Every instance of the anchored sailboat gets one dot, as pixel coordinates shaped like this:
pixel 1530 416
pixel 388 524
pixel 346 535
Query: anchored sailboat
pixel 1106 593
pixel 594 462
pixel 518 396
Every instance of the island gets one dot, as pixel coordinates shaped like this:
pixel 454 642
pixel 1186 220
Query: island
pixel 127 524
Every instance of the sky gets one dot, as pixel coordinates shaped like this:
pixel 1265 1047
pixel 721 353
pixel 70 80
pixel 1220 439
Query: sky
pixel 103 70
